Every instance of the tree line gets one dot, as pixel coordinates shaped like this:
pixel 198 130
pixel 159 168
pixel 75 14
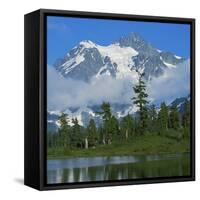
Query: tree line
pixel 165 121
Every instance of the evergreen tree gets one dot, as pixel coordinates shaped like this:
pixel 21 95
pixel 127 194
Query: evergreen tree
pixel 152 119
pixel 106 111
pixel 140 100
pixel 49 140
pixel 174 121
pixel 107 125
pixel 186 115
pixel 76 136
pixel 152 113
pixel 127 126
pixel 55 140
pixel 163 118
pixel 64 131
pixel 186 119
pixel 92 136
pixel 101 135
pixel 114 126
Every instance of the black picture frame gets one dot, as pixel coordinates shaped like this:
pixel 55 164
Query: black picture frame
pixel 35 97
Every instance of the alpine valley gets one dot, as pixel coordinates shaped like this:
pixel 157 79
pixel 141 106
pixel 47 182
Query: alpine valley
pixel 91 63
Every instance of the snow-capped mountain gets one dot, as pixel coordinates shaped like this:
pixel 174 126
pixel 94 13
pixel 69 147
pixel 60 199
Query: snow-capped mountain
pixel 90 112
pixel 119 59
pixel 84 114
pixel 180 103
pixel 89 63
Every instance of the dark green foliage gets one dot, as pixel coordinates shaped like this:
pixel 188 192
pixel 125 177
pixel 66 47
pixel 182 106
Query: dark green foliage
pixel 127 127
pixel 64 131
pixel 152 119
pixel 114 126
pixel 76 136
pixel 106 111
pixel 186 119
pixel 152 113
pixel 186 115
pixel 145 144
pixel 163 118
pixel 140 100
pixel 91 134
pixel 107 122
pixel 62 137
pixel 101 138
pixel 51 140
pixel 174 118
pixel 173 134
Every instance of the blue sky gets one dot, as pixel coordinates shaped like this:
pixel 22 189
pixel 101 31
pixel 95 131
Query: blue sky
pixel 63 33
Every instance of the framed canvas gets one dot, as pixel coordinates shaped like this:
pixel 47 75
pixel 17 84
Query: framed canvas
pixel 109 99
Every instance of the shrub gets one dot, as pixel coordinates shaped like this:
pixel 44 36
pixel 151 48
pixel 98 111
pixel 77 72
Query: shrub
pixel 174 134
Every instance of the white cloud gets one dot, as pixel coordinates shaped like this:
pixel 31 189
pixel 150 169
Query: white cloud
pixel 63 93
pixel 174 83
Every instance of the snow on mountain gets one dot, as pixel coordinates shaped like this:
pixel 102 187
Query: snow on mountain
pixel 169 65
pixel 120 59
pixel 180 103
pixel 158 50
pixel 178 57
pixel 72 63
pixel 89 61
pixel 84 114
pixel 110 60
pixel 54 112
pixel 87 44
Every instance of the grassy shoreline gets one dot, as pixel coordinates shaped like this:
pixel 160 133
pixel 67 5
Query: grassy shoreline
pixel 62 157
pixel 147 144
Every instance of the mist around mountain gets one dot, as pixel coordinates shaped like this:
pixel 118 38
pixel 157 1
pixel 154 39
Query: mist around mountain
pixel 90 73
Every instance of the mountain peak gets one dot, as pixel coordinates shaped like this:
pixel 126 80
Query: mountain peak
pixel 137 42
pixel 87 44
pixel 133 37
pixel 130 52
pixel 136 36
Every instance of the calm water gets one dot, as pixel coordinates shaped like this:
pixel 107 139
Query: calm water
pixel 117 168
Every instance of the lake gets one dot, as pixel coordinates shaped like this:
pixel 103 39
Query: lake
pixel 117 168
